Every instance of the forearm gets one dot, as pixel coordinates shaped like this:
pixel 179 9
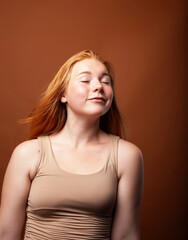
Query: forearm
pixel 8 235
pixel 125 231
pixel 129 236
pixel 11 228
pixel 10 231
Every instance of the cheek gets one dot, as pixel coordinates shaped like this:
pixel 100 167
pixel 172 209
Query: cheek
pixel 110 93
pixel 111 96
pixel 77 93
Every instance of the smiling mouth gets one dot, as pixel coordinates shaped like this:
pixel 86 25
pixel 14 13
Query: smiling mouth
pixel 97 99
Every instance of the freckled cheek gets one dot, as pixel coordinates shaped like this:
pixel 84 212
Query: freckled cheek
pixel 78 93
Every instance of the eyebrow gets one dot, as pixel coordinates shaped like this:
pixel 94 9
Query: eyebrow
pixel 106 74
pixel 88 72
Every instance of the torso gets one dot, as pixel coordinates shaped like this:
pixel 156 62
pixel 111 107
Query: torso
pixel 74 197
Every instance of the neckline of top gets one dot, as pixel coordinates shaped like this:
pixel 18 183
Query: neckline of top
pixel 80 174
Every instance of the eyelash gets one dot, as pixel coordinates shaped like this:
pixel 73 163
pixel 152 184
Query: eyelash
pixel 87 81
pixel 106 82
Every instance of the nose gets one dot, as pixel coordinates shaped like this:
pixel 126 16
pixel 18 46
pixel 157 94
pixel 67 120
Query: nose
pixel 97 86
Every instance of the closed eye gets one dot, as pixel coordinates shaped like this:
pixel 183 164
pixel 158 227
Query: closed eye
pixel 106 82
pixel 105 79
pixel 85 81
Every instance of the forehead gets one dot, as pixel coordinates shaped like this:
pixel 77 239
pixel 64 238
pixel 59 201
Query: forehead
pixel 92 65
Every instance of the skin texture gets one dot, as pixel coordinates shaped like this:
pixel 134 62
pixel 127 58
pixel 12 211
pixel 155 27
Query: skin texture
pixel 80 137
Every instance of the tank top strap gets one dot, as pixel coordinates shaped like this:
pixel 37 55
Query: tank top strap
pixel 45 152
pixel 114 151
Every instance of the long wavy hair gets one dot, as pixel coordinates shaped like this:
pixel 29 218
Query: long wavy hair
pixel 49 115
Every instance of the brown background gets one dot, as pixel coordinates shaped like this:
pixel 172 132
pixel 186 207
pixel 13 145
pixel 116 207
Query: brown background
pixel 145 41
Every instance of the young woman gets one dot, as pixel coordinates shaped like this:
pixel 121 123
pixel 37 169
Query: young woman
pixel 75 178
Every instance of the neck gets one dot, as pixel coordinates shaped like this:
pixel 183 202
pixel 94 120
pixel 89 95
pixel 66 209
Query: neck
pixel 80 131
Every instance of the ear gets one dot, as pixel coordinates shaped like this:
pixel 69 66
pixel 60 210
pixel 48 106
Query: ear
pixel 63 99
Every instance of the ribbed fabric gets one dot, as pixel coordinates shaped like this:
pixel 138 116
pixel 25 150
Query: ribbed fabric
pixel 63 205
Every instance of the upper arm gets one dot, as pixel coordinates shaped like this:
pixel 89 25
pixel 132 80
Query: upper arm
pixel 130 187
pixel 16 188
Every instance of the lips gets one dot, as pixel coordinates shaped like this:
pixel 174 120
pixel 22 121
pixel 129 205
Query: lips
pixel 97 98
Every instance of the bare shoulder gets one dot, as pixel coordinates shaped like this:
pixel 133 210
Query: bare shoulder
pixel 130 158
pixel 27 147
pixel 27 156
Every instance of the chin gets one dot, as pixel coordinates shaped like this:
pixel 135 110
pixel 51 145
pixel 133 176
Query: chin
pixel 97 113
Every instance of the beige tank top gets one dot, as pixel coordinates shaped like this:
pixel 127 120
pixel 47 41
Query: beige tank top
pixel 64 205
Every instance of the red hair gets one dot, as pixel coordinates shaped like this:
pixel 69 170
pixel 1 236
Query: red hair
pixel 49 115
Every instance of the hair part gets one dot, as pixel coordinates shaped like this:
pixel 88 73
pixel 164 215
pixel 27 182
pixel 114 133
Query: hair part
pixel 49 115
